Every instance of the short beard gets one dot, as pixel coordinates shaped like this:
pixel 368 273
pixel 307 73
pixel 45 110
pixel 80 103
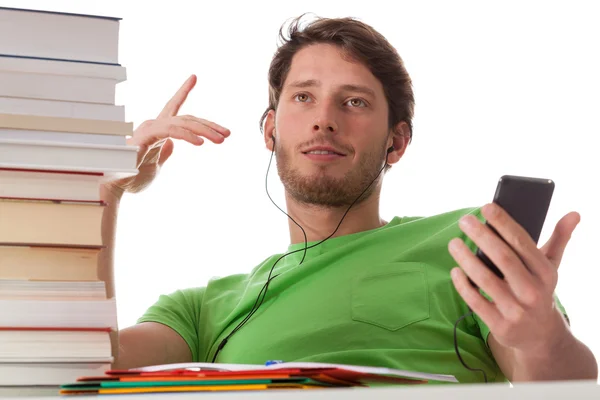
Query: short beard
pixel 321 190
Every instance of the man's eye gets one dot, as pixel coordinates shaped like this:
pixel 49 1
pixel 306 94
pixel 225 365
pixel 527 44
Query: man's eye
pixel 302 97
pixel 356 102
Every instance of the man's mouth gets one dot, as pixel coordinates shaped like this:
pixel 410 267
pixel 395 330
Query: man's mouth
pixel 323 151
pixel 323 154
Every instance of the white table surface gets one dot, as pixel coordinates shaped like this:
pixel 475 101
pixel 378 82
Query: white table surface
pixel 548 391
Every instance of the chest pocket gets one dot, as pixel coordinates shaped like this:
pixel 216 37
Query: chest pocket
pixel 392 298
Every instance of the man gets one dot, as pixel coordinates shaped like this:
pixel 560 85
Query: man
pixel 355 289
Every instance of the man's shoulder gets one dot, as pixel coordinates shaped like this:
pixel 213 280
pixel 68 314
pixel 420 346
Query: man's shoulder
pixel 426 232
pixel 445 218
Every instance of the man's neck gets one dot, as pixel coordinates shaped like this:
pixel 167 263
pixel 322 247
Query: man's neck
pixel 320 222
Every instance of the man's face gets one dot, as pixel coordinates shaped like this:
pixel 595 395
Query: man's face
pixel 331 128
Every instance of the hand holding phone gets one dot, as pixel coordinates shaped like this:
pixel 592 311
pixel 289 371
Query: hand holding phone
pixel 521 310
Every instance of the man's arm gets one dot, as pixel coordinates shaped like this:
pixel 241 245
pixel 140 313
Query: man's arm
pixel 106 257
pixel 150 343
pixel 566 359
pixel 143 344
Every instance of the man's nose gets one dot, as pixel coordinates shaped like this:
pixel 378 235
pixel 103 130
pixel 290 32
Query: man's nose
pixel 325 122
pixel 328 127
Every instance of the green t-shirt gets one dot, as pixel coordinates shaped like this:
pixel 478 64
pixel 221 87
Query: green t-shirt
pixel 382 297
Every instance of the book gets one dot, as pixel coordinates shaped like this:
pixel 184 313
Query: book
pixel 20 391
pixel 73 125
pixel 61 109
pixel 117 161
pixel 58 313
pixel 53 67
pixel 51 34
pixel 51 222
pixel 57 87
pixel 63 137
pixel 55 346
pixel 25 289
pixel 52 185
pixel 47 263
pixel 47 374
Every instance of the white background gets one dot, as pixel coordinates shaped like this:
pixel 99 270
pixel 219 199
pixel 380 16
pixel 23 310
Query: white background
pixel 507 87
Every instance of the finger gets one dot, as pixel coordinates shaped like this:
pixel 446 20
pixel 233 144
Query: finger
pixel 556 245
pixel 484 278
pixel 165 152
pixel 503 256
pixel 199 129
pixel 517 238
pixel 160 129
pixel 481 306
pixel 220 129
pixel 172 107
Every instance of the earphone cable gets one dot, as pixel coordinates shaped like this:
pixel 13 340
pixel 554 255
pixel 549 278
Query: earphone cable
pixel 458 352
pixel 275 204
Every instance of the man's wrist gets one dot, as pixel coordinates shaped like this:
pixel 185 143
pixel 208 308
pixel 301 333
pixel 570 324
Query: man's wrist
pixel 556 339
pixel 111 193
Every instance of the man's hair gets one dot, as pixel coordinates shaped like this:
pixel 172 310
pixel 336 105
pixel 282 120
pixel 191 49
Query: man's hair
pixel 359 42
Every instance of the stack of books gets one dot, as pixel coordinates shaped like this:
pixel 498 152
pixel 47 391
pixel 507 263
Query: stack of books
pixel 61 137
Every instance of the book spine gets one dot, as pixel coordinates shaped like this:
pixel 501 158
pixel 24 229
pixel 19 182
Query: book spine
pixel 72 125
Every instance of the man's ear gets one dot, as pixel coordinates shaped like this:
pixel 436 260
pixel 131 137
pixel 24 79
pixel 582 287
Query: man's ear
pixel 269 130
pixel 400 137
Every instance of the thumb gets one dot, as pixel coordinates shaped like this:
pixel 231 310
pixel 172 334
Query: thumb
pixel 555 246
pixel 165 152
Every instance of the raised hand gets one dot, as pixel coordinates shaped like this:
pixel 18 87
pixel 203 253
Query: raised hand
pixel 154 138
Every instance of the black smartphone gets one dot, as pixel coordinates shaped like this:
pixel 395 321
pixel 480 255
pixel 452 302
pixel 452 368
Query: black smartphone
pixel 527 201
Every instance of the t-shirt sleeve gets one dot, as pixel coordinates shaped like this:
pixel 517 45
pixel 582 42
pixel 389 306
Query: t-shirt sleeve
pixel 179 311
pixel 483 328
